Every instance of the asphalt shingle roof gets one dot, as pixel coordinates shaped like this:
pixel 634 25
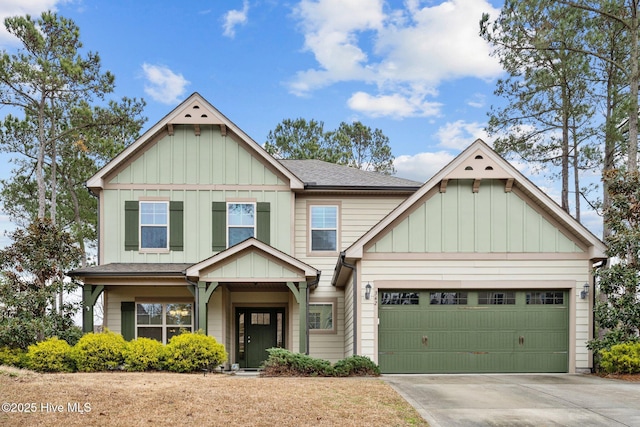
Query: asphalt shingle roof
pixel 317 173
pixel 125 269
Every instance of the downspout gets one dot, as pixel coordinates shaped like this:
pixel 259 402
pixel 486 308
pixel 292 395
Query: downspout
pixel 91 193
pixel 594 328
pixel 355 300
pixel 196 304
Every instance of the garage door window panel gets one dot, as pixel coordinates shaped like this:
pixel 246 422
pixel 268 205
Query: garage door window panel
pixel 400 298
pixel 448 298
pixel 496 298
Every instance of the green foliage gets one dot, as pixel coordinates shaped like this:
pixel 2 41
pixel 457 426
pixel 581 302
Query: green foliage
pixel 58 137
pixel 621 358
pixel 51 355
pixel 143 354
pixel 99 352
pixel 33 276
pixel 13 357
pixel 190 352
pixel 283 362
pixel 617 309
pixel 356 366
pixel 354 144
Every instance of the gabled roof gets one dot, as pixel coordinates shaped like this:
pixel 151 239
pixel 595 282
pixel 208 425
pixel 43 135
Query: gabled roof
pixel 321 174
pixel 256 246
pixel 194 110
pixel 477 162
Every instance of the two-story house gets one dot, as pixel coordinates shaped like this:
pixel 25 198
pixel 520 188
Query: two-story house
pixel 476 270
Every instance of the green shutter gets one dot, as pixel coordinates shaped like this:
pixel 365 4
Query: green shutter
pixel 128 320
pixel 131 225
pixel 219 226
pixel 263 232
pixel 176 226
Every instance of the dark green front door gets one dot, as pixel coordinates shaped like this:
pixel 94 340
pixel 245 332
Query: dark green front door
pixel 449 331
pixel 258 329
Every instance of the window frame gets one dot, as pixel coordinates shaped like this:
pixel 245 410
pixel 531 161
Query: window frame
pixel 324 204
pixel 229 226
pixel 163 314
pixel 166 226
pixel 333 302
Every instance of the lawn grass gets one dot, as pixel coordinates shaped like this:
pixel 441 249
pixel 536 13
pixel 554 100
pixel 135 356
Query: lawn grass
pixel 126 399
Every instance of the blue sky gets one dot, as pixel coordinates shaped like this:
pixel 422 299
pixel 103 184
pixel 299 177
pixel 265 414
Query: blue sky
pixel 415 69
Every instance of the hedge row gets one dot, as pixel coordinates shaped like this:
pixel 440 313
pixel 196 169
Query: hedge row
pixel 187 352
pixel 282 362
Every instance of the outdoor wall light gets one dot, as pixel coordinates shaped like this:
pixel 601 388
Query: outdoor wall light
pixel 585 291
pixel 367 291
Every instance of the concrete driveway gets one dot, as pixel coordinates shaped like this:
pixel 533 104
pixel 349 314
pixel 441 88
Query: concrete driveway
pixel 520 399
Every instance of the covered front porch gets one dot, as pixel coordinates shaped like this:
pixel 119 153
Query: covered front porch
pixel 250 297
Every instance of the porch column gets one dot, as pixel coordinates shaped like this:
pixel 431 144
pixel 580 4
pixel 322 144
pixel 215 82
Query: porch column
pixel 304 331
pixel 90 294
pixel 204 294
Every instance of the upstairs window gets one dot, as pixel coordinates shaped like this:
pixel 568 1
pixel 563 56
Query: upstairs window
pixel 241 222
pixel 154 225
pixel 324 228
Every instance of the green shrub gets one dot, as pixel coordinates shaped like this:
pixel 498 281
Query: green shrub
pixel 283 362
pixel 99 352
pixel 190 352
pixel 51 355
pixel 71 335
pixel 143 354
pixel 356 366
pixel 621 359
pixel 13 357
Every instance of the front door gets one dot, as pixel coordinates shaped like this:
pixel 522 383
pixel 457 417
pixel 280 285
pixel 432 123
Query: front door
pixel 257 329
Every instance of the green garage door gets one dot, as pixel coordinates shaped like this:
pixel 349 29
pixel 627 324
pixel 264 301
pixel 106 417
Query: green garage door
pixel 473 331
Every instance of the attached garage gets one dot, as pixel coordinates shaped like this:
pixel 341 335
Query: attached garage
pixel 477 271
pixel 479 331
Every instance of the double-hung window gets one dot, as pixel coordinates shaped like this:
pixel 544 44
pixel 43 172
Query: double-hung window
pixel 324 228
pixel 241 222
pixel 154 225
pixel 162 321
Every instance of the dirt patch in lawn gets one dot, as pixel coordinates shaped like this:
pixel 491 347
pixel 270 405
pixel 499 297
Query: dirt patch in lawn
pixel 125 399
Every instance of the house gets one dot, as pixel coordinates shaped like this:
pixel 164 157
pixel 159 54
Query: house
pixel 476 270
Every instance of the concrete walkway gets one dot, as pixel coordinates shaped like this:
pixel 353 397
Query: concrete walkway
pixel 520 399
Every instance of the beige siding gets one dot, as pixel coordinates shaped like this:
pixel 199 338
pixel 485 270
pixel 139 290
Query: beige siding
pixel 460 220
pixel 478 274
pixel 118 294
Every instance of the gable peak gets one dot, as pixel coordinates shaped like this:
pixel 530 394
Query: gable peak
pixel 195 110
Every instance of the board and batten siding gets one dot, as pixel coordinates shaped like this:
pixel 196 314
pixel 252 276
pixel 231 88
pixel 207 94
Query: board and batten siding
pixel 197 222
pixel 488 221
pixel 207 159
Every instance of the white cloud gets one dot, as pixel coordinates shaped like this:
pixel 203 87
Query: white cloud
pixel 163 85
pixel 394 105
pixel 395 50
pixel 234 18
pixel 461 134
pixel 422 166
pixel 10 8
